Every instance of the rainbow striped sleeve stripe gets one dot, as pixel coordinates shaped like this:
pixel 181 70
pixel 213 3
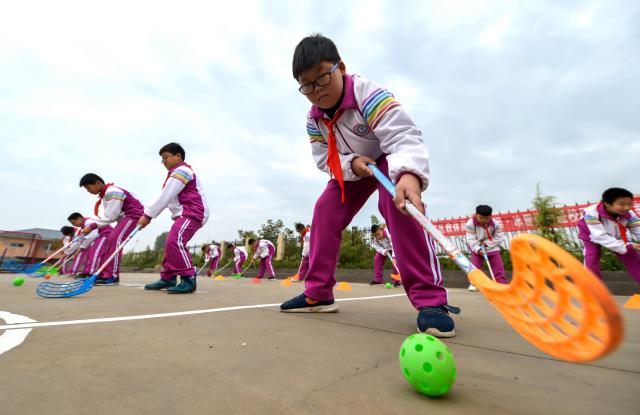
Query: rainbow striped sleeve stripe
pixel 182 175
pixel 116 195
pixel 591 220
pixel 377 105
pixel 634 222
pixel 314 133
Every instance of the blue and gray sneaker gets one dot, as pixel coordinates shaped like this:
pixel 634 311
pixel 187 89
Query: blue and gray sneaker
pixel 107 281
pixel 436 320
pixel 304 304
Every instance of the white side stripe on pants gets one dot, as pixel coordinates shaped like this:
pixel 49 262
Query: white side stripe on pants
pixel 185 255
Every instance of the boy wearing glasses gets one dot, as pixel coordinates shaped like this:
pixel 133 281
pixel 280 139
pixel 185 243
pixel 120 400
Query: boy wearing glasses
pixel 182 193
pixel 118 205
pixel 353 122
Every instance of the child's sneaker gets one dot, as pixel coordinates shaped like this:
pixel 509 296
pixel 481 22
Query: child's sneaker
pixel 161 284
pixel 436 320
pixel 374 282
pixel 396 284
pixel 304 304
pixel 107 281
pixel 187 286
pixel 472 288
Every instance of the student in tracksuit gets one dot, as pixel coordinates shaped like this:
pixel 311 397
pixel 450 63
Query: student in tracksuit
pixel 481 231
pixel 182 192
pixel 265 250
pixel 93 245
pixel 114 204
pixel 381 242
pixel 212 256
pixel 239 257
pixel 611 224
pixel 69 233
pixel 353 122
pixel 305 241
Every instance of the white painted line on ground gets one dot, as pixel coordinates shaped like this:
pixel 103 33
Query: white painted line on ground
pixel 162 315
pixel 13 338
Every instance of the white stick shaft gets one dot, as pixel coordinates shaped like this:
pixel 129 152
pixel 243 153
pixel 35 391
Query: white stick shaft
pixel 486 259
pixel 61 249
pixel 453 252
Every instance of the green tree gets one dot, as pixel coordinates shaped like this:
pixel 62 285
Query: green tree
pixel 161 239
pixel 546 221
pixel 243 234
pixel 271 229
pixel 375 220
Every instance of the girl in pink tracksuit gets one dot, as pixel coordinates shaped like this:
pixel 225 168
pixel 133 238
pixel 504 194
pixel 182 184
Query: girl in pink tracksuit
pixel 69 233
pixel 212 256
pixel 611 224
pixel 305 241
pixel 239 257
pixel 265 250
pixel 93 245
pixel 381 242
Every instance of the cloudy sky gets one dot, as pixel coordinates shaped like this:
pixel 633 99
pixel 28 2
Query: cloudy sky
pixel 507 94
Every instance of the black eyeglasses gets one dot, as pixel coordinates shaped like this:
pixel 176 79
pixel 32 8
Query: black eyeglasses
pixel 321 81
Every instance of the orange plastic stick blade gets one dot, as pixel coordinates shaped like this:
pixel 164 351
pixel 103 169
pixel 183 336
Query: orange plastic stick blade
pixel 554 302
pixel 634 302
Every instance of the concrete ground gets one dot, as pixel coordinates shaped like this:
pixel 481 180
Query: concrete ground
pixel 260 361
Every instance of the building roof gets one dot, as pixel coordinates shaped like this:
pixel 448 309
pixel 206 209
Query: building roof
pixel 45 234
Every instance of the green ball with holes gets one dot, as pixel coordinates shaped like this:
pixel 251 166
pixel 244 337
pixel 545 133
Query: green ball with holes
pixel 427 364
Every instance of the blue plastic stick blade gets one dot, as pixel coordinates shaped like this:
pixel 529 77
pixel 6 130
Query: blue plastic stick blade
pixel 62 290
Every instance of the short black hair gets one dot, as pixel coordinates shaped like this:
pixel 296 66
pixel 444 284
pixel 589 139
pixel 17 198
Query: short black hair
pixel 614 193
pixel 67 230
pixel 231 245
pixel 484 210
pixel 74 216
pixel 251 241
pixel 299 227
pixel 173 148
pixel 374 228
pixel 311 51
pixel 90 178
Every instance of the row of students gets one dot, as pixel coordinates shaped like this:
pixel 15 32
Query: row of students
pixel 182 193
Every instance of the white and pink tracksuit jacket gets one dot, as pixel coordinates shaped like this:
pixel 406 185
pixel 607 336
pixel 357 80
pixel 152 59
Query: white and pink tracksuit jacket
pixel 262 250
pixel 380 126
pixel 116 203
pixel 383 246
pixel 490 235
pixel 597 226
pixel 183 194
pixel 211 251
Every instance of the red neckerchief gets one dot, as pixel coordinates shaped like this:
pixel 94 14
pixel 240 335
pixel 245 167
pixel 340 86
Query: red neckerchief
pixel 333 160
pixel 100 196
pixel 487 232
pixel 623 232
pixel 171 171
